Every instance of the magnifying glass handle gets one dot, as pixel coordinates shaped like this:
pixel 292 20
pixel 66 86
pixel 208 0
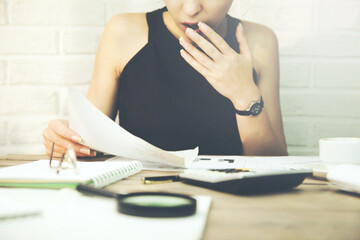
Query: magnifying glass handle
pixel 87 189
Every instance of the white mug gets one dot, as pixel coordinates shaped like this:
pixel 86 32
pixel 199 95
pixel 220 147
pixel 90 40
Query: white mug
pixel 335 151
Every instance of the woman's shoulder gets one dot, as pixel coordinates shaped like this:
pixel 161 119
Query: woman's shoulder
pixel 125 34
pixel 263 44
pixel 128 26
pixel 260 35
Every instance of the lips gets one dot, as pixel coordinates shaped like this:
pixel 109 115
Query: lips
pixel 193 26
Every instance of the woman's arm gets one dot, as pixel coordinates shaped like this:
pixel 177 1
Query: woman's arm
pixel 123 37
pixel 264 134
pixel 230 74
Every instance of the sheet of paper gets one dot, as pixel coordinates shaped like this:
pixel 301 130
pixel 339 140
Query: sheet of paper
pixel 256 163
pixel 68 214
pixel 101 133
pixel 12 208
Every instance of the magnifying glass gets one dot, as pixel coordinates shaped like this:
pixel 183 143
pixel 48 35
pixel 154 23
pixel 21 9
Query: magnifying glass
pixel 147 204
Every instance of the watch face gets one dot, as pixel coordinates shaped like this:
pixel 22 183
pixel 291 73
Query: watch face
pixel 255 109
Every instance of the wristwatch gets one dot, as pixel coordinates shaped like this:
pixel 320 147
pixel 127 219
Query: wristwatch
pixel 254 109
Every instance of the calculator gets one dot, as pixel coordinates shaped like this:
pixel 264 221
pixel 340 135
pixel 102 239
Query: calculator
pixel 246 182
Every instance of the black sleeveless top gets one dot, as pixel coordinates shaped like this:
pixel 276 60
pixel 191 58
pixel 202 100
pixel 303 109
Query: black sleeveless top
pixel 166 102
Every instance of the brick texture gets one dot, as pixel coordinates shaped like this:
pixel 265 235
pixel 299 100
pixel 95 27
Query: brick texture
pixel 297 131
pixel 48 44
pixel 2 73
pixel 3 15
pixel 283 14
pixel 20 101
pixel 295 72
pixel 81 41
pixel 56 12
pixel 326 128
pixel 343 15
pixel 51 71
pixel 22 41
pixel 116 7
pixel 321 104
pixel 317 44
pixel 3 133
pixel 29 133
pixel 337 74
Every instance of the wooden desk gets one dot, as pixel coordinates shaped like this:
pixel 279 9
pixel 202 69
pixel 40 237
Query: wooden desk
pixel 311 211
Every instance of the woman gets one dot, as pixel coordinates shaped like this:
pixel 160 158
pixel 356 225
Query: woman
pixel 184 76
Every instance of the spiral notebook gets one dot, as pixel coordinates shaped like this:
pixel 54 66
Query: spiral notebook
pixel 38 174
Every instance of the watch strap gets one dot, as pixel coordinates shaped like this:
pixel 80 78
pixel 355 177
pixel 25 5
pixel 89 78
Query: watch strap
pixel 249 111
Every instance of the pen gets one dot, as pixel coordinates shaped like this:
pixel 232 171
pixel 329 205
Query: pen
pixel 160 179
pixel 232 170
pixel 86 189
pixel 176 178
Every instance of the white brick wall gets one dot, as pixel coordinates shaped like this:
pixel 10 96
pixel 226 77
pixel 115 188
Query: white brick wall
pixel 2 72
pixel 3 19
pixel 46 44
pixel 56 12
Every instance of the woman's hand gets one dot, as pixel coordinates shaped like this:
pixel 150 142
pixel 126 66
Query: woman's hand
pixel 58 132
pixel 229 72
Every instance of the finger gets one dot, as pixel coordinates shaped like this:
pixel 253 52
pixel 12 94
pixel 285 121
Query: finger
pixel 59 150
pixel 62 144
pixel 55 150
pixel 63 130
pixel 55 154
pixel 243 44
pixel 53 137
pixel 216 39
pixel 197 54
pixel 59 154
pixel 204 44
pixel 78 151
pixel 195 64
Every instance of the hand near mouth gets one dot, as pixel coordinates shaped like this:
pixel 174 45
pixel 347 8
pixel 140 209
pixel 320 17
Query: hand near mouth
pixel 193 26
pixel 229 72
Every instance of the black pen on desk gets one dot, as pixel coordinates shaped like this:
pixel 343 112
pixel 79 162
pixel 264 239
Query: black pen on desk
pixel 232 170
pixel 177 178
pixel 90 190
pixel 160 179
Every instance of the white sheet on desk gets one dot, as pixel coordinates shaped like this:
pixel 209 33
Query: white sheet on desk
pixel 345 177
pixel 222 162
pixel 12 208
pixel 101 133
pixel 68 214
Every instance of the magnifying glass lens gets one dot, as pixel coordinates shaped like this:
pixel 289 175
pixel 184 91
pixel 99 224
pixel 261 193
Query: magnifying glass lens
pixel 157 201
pixel 147 204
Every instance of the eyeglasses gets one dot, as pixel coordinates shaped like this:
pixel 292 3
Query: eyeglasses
pixel 67 161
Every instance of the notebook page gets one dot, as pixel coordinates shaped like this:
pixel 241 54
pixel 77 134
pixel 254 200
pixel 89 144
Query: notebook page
pixel 39 171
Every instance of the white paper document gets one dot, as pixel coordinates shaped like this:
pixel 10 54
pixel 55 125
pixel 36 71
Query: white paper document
pixel 101 133
pixel 231 162
pixel 68 214
pixel 14 208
